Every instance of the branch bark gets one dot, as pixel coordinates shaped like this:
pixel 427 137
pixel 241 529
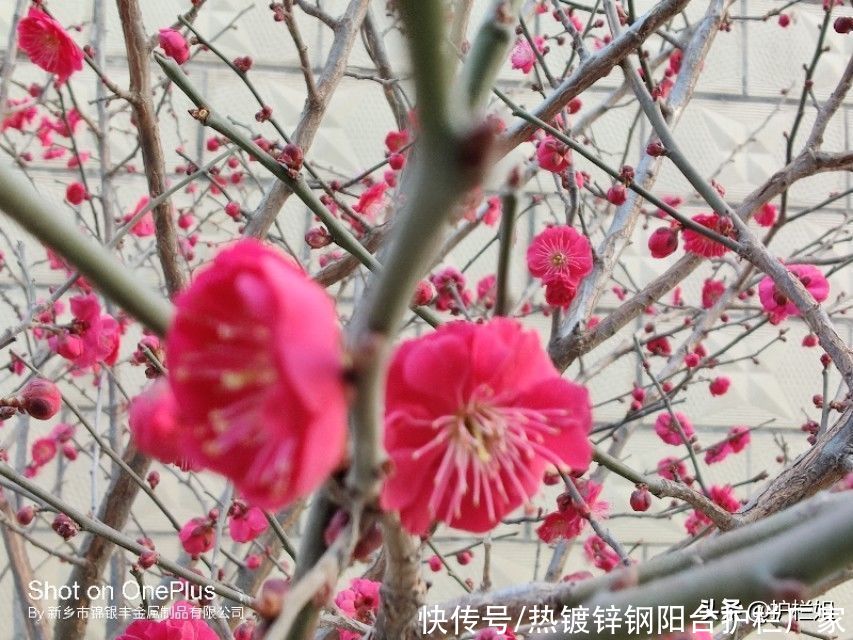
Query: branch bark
pixel 37 628
pixel 142 102
pixel 346 28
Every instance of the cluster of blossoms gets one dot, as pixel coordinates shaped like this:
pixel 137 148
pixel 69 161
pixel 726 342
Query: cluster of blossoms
pixel 183 623
pixel 476 416
pixel 560 256
pixel 487 438
pixel 570 518
pixel 30 116
pixel 91 339
pixel 778 306
pixel 44 449
pixel 359 602
pixel 664 240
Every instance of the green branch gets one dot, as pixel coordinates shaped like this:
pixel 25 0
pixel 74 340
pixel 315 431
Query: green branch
pixel 32 211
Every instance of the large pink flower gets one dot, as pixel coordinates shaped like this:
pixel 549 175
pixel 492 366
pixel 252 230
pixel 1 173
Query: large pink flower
pixel 184 623
pixel 255 366
pixel 474 413
pixel 48 45
pixel 776 303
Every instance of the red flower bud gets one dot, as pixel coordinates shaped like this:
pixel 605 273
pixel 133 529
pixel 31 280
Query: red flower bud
pixel 843 24
pixel 435 564
pixel 318 237
pixel 233 209
pixel 41 399
pixel 25 515
pixel 148 558
pixel 663 242
pixel 243 63
pixel 656 149
pixel 617 194
pixel 65 526
pixel 641 500
pixel 291 157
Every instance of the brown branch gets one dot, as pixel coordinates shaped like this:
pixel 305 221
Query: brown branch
pixel 301 49
pixel 346 29
pixel 595 67
pixel 565 350
pixel 375 46
pixel 402 588
pixel 824 464
pixel 37 628
pixel 136 45
pixel 342 267
pixel 316 12
pixel 96 549
pixel 115 508
pixel 663 488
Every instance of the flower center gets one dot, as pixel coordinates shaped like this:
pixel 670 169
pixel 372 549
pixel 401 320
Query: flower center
pixel 558 259
pixel 482 432
pixel 486 450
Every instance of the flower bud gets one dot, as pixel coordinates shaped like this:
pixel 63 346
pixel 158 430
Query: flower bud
pixel 233 209
pixel 25 515
pixel 617 194
pixel 318 237
pixel 656 149
pixel 41 399
pixel 641 499
pixel 663 242
pixel 148 558
pixel 243 63
pixel 292 157
pixel 65 526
